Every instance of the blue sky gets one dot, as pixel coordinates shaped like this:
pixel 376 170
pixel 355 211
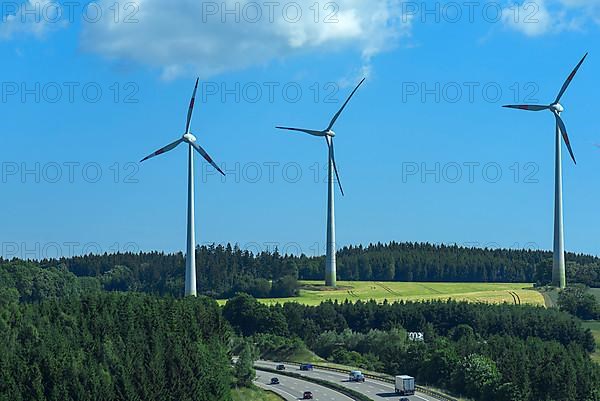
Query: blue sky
pixel 424 149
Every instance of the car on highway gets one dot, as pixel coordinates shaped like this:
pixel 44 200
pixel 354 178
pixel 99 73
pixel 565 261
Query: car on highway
pixel 306 366
pixel 404 399
pixel 307 395
pixel 281 366
pixel 356 376
pixel 274 380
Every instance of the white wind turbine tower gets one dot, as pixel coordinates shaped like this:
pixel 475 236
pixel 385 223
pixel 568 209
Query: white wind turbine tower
pixel 190 258
pixel 559 278
pixel 330 269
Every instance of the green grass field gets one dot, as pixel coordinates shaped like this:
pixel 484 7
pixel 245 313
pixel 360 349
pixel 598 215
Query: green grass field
pixel 314 292
pixel 253 394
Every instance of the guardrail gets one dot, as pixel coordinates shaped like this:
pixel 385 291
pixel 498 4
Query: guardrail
pixel 383 378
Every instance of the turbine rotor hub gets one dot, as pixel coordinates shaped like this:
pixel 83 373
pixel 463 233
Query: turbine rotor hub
pixel 557 107
pixel 330 133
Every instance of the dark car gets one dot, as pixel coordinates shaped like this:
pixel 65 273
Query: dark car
pixel 274 380
pixel 404 399
pixel 280 367
pixel 307 395
pixel 306 366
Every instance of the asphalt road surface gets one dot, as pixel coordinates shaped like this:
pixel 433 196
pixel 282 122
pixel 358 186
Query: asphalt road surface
pixel 292 389
pixel 374 389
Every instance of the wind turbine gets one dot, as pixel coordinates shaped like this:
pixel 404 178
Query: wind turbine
pixel 559 278
pixel 328 134
pixel 190 259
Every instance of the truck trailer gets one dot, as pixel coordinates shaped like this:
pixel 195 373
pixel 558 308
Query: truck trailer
pixel 405 385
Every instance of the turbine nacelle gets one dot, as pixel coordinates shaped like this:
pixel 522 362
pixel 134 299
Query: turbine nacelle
pixel 329 133
pixel 189 138
pixel 557 107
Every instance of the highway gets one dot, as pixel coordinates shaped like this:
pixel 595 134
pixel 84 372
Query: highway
pixel 292 389
pixel 374 389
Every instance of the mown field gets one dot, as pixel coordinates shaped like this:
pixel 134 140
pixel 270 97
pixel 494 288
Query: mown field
pixel 314 292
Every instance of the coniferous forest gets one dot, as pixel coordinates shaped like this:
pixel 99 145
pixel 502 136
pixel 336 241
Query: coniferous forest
pixel 112 346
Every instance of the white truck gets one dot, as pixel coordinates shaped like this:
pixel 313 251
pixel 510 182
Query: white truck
pixel 405 385
pixel 356 376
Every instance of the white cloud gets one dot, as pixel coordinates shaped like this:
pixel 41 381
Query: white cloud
pixel 208 38
pixel 31 17
pixel 531 18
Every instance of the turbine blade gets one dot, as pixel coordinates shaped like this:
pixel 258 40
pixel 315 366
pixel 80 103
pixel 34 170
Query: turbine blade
pixel 563 131
pixel 165 149
pixel 206 156
pixel 191 108
pixel 335 117
pixel 330 145
pixel 308 131
pixel 569 79
pixel 528 107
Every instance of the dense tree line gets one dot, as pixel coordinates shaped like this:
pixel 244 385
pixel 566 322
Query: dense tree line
pixel 225 270
pixel 109 346
pixel 228 269
pixel 504 353
pixel 31 283
pixel 222 271
pixel 428 262
pixel 248 316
